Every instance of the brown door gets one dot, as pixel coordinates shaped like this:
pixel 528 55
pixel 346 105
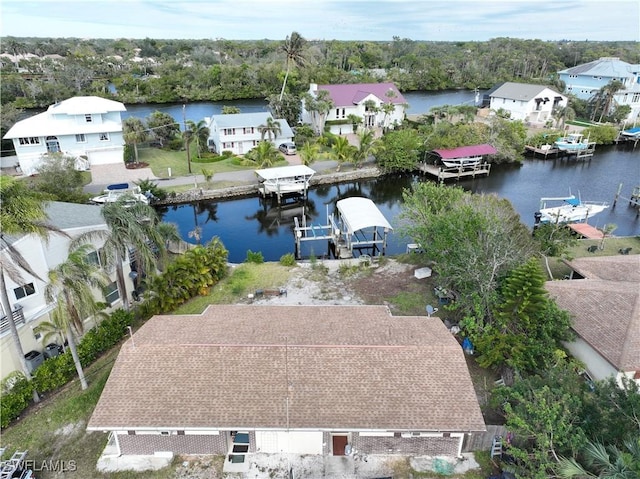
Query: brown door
pixel 339 443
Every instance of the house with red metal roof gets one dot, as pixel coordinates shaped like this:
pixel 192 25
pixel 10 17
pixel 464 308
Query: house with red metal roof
pixel 379 105
pixel 324 380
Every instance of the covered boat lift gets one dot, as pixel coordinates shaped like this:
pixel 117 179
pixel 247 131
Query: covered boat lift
pixel 284 180
pixel 359 225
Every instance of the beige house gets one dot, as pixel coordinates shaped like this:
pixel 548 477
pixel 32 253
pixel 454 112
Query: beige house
pixel 603 297
pixel 322 380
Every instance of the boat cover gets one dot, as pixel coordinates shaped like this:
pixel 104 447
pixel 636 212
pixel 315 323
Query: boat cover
pixel 466 151
pixel 359 213
pixel 285 172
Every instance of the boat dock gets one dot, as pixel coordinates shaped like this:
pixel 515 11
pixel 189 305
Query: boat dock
pixel 634 199
pixel 557 153
pixel 586 231
pixel 359 225
pixel 630 136
pixel 443 173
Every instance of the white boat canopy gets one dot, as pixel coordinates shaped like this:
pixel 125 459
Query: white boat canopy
pixel 360 213
pixel 282 172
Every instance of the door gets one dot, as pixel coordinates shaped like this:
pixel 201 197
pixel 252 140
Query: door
pixel 339 443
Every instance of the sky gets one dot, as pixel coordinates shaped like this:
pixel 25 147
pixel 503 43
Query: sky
pixel 375 20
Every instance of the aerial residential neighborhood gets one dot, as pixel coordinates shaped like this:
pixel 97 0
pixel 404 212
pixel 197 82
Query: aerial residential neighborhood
pixel 307 257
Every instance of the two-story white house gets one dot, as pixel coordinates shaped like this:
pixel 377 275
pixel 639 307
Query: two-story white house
pixel 27 299
pixel 585 80
pixel 88 128
pixel 241 132
pixel 533 104
pixel 365 100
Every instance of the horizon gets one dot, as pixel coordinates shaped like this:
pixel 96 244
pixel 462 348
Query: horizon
pixel 325 20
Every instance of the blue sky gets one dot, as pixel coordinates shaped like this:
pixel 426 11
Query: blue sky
pixel 378 20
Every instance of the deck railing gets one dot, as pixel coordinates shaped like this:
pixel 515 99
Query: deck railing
pixel 18 318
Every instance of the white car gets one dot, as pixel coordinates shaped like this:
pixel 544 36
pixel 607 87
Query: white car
pixel 288 148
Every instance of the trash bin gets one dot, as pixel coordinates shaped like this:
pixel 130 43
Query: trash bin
pixel 34 359
pixel 52 350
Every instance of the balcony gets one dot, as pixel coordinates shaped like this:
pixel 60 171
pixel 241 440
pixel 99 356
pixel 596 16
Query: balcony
pixel 18 319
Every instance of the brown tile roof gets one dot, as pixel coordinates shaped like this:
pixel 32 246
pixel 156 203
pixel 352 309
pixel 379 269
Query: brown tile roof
pixel 347 367
pixel 605 306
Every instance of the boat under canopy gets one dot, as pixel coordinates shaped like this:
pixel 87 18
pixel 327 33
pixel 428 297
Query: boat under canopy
pixel 631 132
pixel 284 180
pixel 465 156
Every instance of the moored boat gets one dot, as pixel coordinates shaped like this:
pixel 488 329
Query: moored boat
pixel 571 210
pixel 572 142
pixel 464 156
pixel 121 190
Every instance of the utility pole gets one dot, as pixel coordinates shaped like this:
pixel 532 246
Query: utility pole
pixel 186 135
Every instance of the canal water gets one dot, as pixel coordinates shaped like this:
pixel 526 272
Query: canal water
pixel 251 224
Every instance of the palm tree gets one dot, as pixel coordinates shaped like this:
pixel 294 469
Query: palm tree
pixel 51 331
pixel 615 464
pixel 355 120
pixel 270 128
pixel 367 145
pixel 342 151
pixel 199 133
pixel 70 289
pixel 562 114
pixel 605 97
pixel 23 212
pixel 134 132
pixel 264 155
pixel 132 227
pixel 318 107
pixel 309 152
pixel 292 47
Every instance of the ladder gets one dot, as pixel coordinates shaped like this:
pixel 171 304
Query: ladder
pixel 496 446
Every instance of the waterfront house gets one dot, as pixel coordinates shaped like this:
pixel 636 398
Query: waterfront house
pixel 587 79
pixel 532 104
pixel 88 128
pixel 365 100
pixel 28 303
pixel 322 380
pixel 603 297
pixel 241 132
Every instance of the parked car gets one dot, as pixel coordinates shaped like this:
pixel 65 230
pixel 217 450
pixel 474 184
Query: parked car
pixel 288 148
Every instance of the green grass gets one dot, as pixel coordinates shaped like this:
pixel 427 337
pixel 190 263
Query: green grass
pixel 161 160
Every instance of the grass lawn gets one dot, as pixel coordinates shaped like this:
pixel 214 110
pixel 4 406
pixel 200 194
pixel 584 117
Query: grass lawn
pixel 161 160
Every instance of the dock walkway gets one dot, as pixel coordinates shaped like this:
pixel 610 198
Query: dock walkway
pixel 443 173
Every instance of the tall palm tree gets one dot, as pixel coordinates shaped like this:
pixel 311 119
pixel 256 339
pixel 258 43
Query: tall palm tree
pixel 562 114
pixel 293 47
pixel 131 227
pixel 603 464
pixel 318 107
pixel 70 287
pixel 270 128
pixel 51 331
pixel 134 132
pixel 199 134
pixel 23 212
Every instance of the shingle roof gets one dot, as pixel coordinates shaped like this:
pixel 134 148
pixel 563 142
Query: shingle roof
pixel 341 366
pixel 351 94
pixel 605 306
pixel 247 120
pixel 519 91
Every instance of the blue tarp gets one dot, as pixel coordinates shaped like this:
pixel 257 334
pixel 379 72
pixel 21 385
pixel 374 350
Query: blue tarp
pixel 573 201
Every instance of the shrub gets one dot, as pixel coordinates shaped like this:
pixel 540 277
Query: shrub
pixel 288 259
pixel 129 154
pixel 16 395
pixel 54 373
pixel 256 257
pixel 153 188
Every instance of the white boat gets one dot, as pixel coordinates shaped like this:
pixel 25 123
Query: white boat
pixel 572 210
pixel 572 142
pixel 464 156
pixel 121 190
pixel 284 180
pixel 468 162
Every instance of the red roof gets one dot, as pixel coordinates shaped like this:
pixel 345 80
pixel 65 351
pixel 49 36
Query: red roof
pixel 466 151
pixel 353 93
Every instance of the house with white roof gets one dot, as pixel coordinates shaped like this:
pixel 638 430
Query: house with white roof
pixel 530 103
pixel 320 380
pixel 88 128
pixel 586 79
pixel 240 132
pixel 28 303
pixel 365 100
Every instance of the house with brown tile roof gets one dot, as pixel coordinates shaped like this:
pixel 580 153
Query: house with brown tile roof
pixel 325 380
pixel 603 297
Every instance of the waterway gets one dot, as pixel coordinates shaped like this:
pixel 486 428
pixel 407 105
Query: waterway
pixel 249 224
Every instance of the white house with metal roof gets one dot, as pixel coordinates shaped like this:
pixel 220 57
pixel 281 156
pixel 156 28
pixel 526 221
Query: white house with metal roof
pixel 28 303
pixel 240 132
pixel 527 102
pixel 587 79
pixel 88 128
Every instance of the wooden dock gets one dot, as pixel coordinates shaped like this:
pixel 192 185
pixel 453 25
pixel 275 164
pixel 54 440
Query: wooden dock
pixel 585 230
pixel 557 153
pixel 443 173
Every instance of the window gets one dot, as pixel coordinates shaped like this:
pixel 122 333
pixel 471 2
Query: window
pixel 636 98
pixel 228 144
pixel 93 258
pixel 32 140
pixel 229 131
pixel 24 291
pixel 247 131
pixel 88 118
pixel 104 136
pixel 111 294
pixel 80 138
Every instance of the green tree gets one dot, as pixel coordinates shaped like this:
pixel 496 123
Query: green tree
pixel 367 145
pixel 288 107
pixel 342 151
pixel 270 129
pixel 355 120
pixel 230 110
pixel 163 127
pixel 400 151
pixel 604 462
pixel 309 152
pixel 293 48
pixel 70 290
pixel 199 135
pixel 23 212
pixel 59 178
pixel 553 240
pixel 603 100
pixel 318 107
pixel 264 155
pixel 562 114
pixel 134 132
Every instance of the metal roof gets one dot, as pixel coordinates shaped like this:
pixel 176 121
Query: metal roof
pixel 353 93
pixel 285 172
pixel 606 67
pixel 466 151
pixel 359 213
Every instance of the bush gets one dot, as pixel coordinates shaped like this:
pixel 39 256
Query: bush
pixel 256 257
pixel 54 373
pixel 288 259
pixel 153 188
pixel 129 154
pixel 16 396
